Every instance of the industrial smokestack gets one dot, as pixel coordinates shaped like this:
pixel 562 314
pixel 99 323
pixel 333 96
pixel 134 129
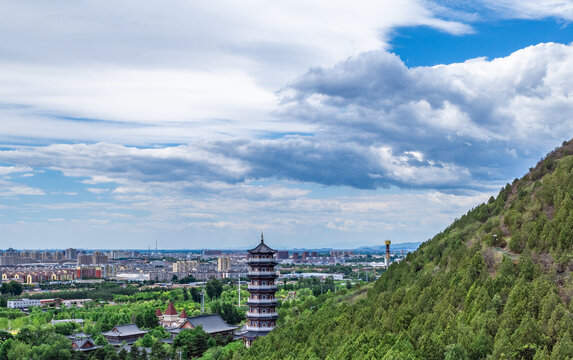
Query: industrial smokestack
pixel 387 242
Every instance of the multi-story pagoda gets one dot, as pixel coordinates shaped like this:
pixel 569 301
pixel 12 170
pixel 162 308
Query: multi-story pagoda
pixel 262 315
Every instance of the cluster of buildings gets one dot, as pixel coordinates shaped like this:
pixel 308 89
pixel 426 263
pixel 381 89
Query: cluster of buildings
pixel 258 264
pixel 212 264
pixel 123 336
pixel 314 257
pixel 261 316
pixel 33 267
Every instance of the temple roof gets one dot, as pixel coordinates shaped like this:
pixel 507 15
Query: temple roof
pixel 211 324
pixel 124 330
pixel 262 248
pixel 84 344
pixel 170 309
pixel 183 314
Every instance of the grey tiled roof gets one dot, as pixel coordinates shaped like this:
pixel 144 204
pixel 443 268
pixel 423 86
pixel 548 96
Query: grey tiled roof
pixel 124 330
pixel 211 324
pixel 80 343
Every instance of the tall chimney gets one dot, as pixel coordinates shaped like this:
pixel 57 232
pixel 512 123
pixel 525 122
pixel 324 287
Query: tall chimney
pixel 387 242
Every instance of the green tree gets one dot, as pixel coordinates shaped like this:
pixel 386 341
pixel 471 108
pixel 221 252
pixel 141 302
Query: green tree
pixel 18 351
pixel 4 348
pixel 563 349
pixel 195 295
pixel 194 341
pixel 12 288
pixel 159 351
pixel 146 341
pixel 58 349
pixel 214 288
pixel 228 312
pixel 146 319
pixel 456 352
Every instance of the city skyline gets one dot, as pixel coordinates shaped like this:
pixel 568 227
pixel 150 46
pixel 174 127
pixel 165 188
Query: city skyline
pixel 199 125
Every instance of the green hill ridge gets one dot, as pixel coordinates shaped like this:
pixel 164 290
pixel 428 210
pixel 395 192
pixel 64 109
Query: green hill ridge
pixel 495 284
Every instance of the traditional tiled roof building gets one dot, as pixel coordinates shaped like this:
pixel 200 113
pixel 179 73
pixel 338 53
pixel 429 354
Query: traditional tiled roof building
pixel 84 345
pixel 174 323
pixel 262 315
pixel 212 324
pixel 124 333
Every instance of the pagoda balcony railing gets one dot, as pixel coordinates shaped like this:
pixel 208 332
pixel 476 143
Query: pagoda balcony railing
pixel 262 301
pixel 262 315
pixel 256 328
pixel 262 287
pixel 271 260
pixel 262 273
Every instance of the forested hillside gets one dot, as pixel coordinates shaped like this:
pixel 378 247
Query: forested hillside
pixel 495 284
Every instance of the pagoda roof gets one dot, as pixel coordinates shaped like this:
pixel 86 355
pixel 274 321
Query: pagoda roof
pixel 158 312
pixel 183 314
pixel 170 309
pixel 262 248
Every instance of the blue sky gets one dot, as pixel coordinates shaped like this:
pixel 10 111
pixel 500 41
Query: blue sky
pixel 199 124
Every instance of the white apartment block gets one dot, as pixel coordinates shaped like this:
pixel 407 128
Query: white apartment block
pixel 23 303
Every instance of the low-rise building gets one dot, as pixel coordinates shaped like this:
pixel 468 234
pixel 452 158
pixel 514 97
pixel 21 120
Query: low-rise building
pixel 23 303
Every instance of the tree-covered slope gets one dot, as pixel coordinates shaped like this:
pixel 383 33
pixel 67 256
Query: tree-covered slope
pixel 495 284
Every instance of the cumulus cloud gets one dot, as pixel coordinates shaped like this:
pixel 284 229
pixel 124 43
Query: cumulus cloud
pixel 460 117
pixel 379 124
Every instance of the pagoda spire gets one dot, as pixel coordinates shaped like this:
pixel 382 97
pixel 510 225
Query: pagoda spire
pixel 262 240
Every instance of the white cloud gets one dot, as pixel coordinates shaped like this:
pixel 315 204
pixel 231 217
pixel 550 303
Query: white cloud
pixel 412 169
pixel 298 217
pixel 101 81
pixel 97 190
pixel 521 101
pixel 144 72
pixel 5 170
pixel 10 190
pixel 383 123
pixel 532 9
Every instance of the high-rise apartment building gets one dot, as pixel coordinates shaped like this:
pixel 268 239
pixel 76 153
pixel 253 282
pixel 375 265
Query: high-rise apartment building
pixel 223 264
pixel 71 254
pixel 99 258
pixel 184 266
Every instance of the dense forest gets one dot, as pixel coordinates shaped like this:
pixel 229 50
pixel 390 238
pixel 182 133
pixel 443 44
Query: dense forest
pixel 496 284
